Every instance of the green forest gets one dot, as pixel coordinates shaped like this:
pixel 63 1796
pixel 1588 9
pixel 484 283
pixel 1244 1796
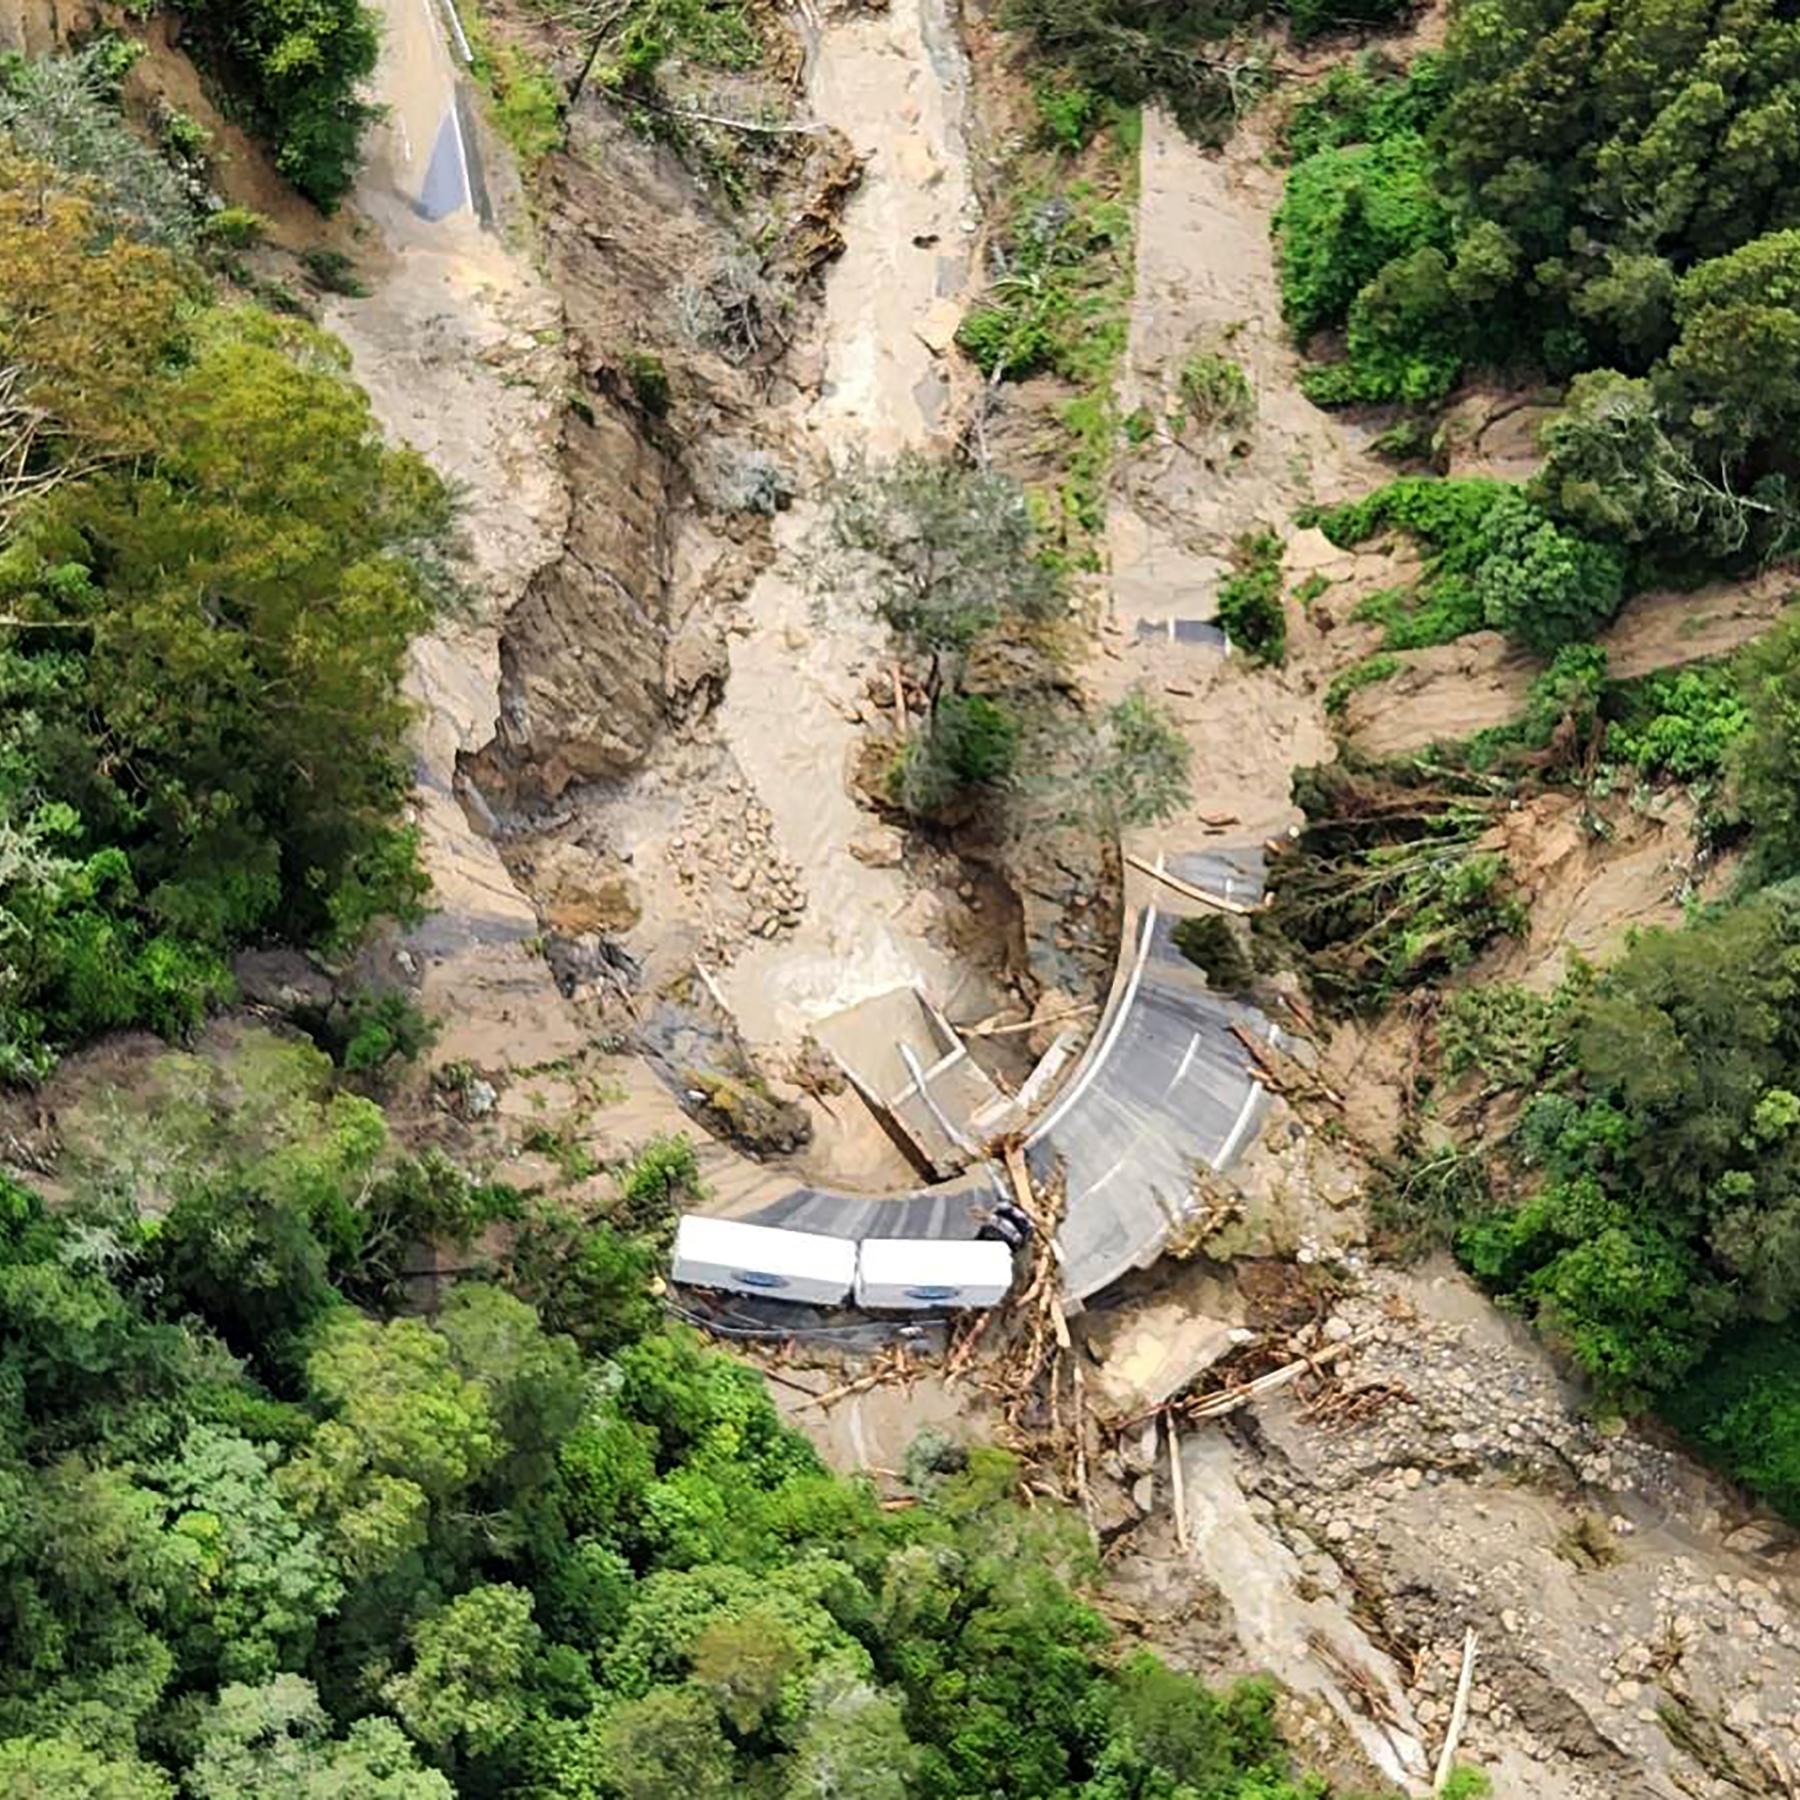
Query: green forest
pixel 265 1535
pixel 1600 200
pixel 211 570
pixel 264 1528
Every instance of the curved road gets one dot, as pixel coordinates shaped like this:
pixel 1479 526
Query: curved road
pixel 1164 1088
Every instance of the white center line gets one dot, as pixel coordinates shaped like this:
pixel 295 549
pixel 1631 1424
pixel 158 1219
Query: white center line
pixel 1187 1060
pixel 1229 1148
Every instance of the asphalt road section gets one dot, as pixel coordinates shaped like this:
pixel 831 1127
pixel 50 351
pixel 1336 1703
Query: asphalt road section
pixel 1165 1089
pixel 423 151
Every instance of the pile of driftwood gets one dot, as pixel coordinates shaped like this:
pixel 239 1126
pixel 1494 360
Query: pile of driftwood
pixel 1023 1356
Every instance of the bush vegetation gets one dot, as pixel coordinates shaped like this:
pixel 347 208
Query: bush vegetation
pixel 1188 57
pixel 527 100
pixel 1211 943
pixel 1392 881
pixel 1643 1209
pixel 267 1536
pixel 950 559
pixel 1250 604
pixel 300 68
pixel 1495 560
pixel 1215 392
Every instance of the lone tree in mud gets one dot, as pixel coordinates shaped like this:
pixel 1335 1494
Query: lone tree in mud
pixel 940 552
pixel 947 557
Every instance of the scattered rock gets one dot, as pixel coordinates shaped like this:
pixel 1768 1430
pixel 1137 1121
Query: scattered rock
pixel 742 1109
pixel 880 848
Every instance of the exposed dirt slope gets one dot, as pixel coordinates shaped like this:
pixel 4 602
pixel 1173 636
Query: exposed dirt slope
pixel 1479 681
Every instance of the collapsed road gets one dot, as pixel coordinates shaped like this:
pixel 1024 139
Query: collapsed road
pixel 1166 1088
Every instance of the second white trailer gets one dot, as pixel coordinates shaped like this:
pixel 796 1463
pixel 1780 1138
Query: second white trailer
pixel 913 1274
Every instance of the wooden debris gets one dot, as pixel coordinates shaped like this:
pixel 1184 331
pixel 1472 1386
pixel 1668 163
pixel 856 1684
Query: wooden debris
pixel 1187 888
pixel 1342 1407
pixel 991 1027
pixel 1082 1490
pixel 1361 1688
pixel 1178 1485
pixel 1459 1715
pixel 891 1366
pixel 900 721
pixel 1233 1399
pixel 962 1352
pixel 1285 1074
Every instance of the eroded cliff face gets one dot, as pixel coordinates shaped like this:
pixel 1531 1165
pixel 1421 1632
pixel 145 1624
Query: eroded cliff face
pixel 581 654
pixel 629 240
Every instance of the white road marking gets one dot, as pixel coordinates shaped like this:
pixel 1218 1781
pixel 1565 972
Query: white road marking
pixel 1071 1095
pixel 462 156
pixel 1187 1060
pixel 1229 1148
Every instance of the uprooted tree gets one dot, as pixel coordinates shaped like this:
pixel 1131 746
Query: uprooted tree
pixel 1397 876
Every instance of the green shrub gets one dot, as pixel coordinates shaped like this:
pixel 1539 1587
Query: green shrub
pixel 639 37
pixel 1496 560
pixel 528 102
pixel 1543 585
pixel 1364 101
pixel 233 228
pixel 1250 603
pixel 182 135
pixel 377 1029
pixel 1680 723
pixel 1346 213
pixel 661 1177
pixel 1216 391
pixel 302 66
pixel 1742 1407
pixel 649 380
pixel 1382 666
pixel 977 737
pixel 64 111
pixel 1564 701
pixel 1068 114
pixel 332 272
pixel 1212 945
pixel 1052 306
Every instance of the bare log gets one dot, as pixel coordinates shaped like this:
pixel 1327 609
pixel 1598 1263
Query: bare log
pixel 1187 888
pixel 1459 1715
pixel 1178 1485
pixel 1232 1399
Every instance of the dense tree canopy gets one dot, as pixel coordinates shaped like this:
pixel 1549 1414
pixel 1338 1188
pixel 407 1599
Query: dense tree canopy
pixel 303 65
pixel 212 570
pixel 1568 187
pixel 404 1559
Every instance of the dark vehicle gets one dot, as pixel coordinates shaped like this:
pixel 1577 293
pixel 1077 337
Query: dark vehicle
pixel 1008 1224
